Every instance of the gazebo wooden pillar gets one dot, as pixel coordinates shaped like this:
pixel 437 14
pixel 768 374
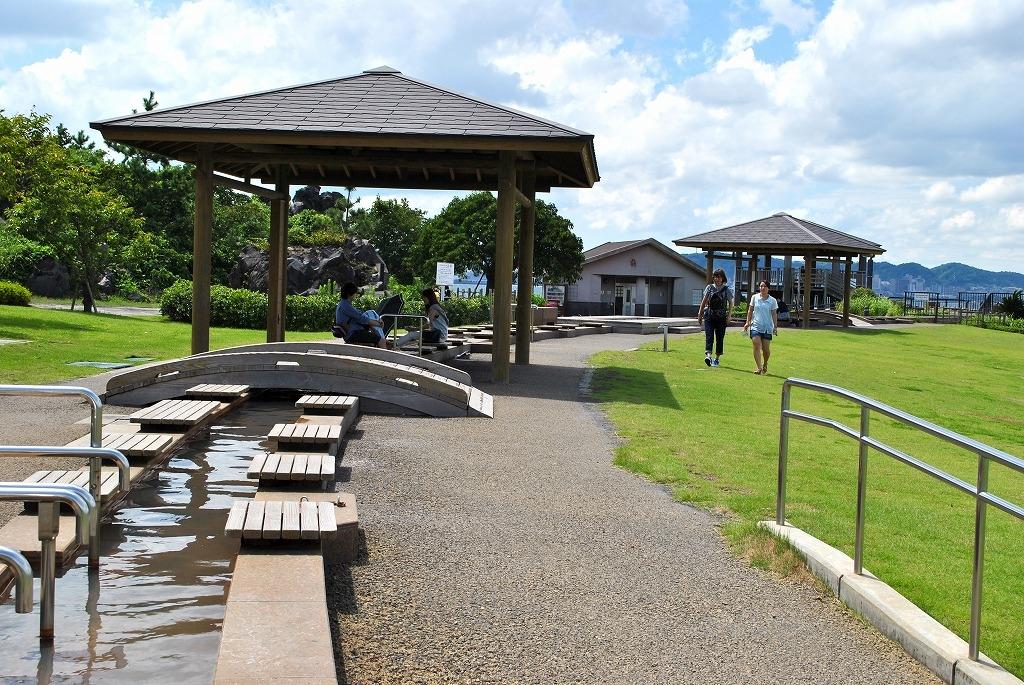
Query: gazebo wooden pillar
pixel 710 266
pixel 503 266
pixel 202 243
pixel 524 301
pixel 276 277
pixel 808 283
pixel 846 291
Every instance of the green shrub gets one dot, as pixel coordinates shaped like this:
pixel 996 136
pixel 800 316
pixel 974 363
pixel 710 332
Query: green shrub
pixel 1012 306
pixel 18 256
pixel 538 300
pixel 14 294
pixel 176 302
pixel 876 305
pixel 240 308
pixel 465 311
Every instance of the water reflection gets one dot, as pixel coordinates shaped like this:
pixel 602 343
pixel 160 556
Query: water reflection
pixel 153 611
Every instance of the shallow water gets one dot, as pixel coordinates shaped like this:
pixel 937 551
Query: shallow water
pixel 153 612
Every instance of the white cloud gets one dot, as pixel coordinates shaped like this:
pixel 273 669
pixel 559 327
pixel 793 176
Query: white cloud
pixel 1013 217
pixel 941 190
pixel 796 16
pixel 959 221
pixel 1000 189
pixel 744 39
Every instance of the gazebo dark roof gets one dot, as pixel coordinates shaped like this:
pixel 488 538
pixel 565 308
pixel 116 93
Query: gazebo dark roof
pixel 379 128
pixel 782 234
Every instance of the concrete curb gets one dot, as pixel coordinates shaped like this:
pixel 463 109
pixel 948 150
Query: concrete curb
pixel 935 646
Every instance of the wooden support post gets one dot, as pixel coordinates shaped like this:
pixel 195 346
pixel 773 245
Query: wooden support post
pixel 503 266
pixel 710 267
pixel 752 275
pixel 524 308
pixel 276 281
pixel 202 246
pixel 846 291
pixel 808 283
pixel 787 279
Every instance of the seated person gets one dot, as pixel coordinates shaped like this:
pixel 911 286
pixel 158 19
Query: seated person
pixel 437 319
pixel 362 328
pixel 783 311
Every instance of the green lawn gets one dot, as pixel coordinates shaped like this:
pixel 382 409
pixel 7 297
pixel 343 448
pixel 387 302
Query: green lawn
pixel 56 337
pixel 713 436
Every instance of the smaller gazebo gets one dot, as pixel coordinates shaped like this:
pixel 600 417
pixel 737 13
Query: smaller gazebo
pixel 788 236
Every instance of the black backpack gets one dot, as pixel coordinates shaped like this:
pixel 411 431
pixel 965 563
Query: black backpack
pixel 718 304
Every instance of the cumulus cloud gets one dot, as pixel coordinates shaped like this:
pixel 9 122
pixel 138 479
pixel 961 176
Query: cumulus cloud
pixel 795 16
pixel 1000 189
pixel 941 190
pixel 872 125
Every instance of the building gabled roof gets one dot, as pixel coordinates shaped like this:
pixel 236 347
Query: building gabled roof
pixel 609 249
pixel 379 108
pixel 782 234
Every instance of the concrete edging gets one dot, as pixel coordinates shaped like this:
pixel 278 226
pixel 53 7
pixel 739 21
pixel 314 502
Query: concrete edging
pixel 935 646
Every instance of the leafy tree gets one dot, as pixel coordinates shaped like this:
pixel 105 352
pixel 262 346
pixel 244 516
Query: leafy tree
pixel 309 227
pixel 464 233
pixel 392 226
pixel 235 225
pixel 1012 306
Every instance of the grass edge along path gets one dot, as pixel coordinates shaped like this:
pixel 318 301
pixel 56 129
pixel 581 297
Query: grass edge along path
pixel 712 435
pixel 56 337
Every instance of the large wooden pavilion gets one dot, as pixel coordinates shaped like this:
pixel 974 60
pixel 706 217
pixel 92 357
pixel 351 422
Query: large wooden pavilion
pixel 377 129
pixel 787 236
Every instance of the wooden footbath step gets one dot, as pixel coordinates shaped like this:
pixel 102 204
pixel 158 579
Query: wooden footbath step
pixel 293 466
pixel 214 391
pixel 305 435
pixel 281 520
pixel 185 413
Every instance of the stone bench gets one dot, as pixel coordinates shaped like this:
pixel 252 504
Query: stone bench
pixel 176 413
pixel 293 466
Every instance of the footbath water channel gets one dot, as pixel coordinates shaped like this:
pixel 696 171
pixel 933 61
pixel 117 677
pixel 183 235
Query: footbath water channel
pixel 153 612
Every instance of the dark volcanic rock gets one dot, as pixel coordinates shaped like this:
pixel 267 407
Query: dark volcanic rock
pixel 50 279
pixel 311 267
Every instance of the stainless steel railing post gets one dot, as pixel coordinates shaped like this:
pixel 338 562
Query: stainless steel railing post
pixel 978 570
pixel 780 488
pixel 95 440
pixel 862 479
pixel 19 566
pixel 49 524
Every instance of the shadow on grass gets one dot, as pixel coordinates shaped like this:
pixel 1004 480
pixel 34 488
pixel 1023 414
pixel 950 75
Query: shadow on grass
pixel 635 386
pixel 36 323
pixel 865 331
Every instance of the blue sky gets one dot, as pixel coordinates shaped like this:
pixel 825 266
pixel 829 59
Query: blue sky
pixel 896 121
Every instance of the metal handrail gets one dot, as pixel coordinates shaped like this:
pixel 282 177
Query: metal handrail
pixel 19 566
pixel 979 491
pixel 95 438
pixel 394 328
pixel 49 497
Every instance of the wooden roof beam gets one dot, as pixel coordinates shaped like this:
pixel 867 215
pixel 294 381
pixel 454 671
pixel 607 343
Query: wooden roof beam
pixel 235 184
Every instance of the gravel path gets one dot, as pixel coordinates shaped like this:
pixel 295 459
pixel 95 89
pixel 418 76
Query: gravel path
pixel 512 551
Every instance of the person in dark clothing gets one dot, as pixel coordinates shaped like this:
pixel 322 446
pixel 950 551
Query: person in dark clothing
pixel 361 327
pixel 713 315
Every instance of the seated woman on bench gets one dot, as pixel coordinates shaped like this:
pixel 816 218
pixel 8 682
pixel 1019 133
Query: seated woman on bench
pixel 361 328
pixel 437 319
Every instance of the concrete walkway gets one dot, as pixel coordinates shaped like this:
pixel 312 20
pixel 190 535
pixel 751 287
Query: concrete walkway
pixel 512 551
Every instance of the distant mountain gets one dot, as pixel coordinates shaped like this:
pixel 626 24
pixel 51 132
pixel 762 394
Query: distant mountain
pixel 952 276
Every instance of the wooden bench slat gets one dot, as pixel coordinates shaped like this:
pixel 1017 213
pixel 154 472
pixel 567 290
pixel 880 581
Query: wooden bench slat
pixel 285 466
pixel 309 523
pixel 290 528
pixel 253 527
pixel 328 523
pixel 270 465
pixel 298 470
pixel 313 467
pixel 256 465
pixel 327 468
pixel 236 519
pixel 272 521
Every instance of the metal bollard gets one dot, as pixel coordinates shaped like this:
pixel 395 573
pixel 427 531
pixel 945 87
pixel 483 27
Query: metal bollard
pixel 664 340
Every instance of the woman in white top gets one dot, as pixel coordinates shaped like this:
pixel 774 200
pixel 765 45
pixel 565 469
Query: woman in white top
pixel 763 323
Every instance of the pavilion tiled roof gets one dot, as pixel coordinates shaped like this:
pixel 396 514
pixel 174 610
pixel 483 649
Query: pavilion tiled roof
pixel 376 129
pixel 381 100
pixel 782 233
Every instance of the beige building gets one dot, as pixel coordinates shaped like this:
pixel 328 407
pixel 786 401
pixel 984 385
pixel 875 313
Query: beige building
pixel 635 278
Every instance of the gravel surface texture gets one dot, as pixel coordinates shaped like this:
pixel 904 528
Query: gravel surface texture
pixel 512 551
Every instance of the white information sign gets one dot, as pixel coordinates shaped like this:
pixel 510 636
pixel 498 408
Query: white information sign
pixel 555 293
pixel 445 274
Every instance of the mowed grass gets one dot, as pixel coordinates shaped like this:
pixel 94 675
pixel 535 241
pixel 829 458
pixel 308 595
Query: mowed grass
pixel 713 436
pixel 56 337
